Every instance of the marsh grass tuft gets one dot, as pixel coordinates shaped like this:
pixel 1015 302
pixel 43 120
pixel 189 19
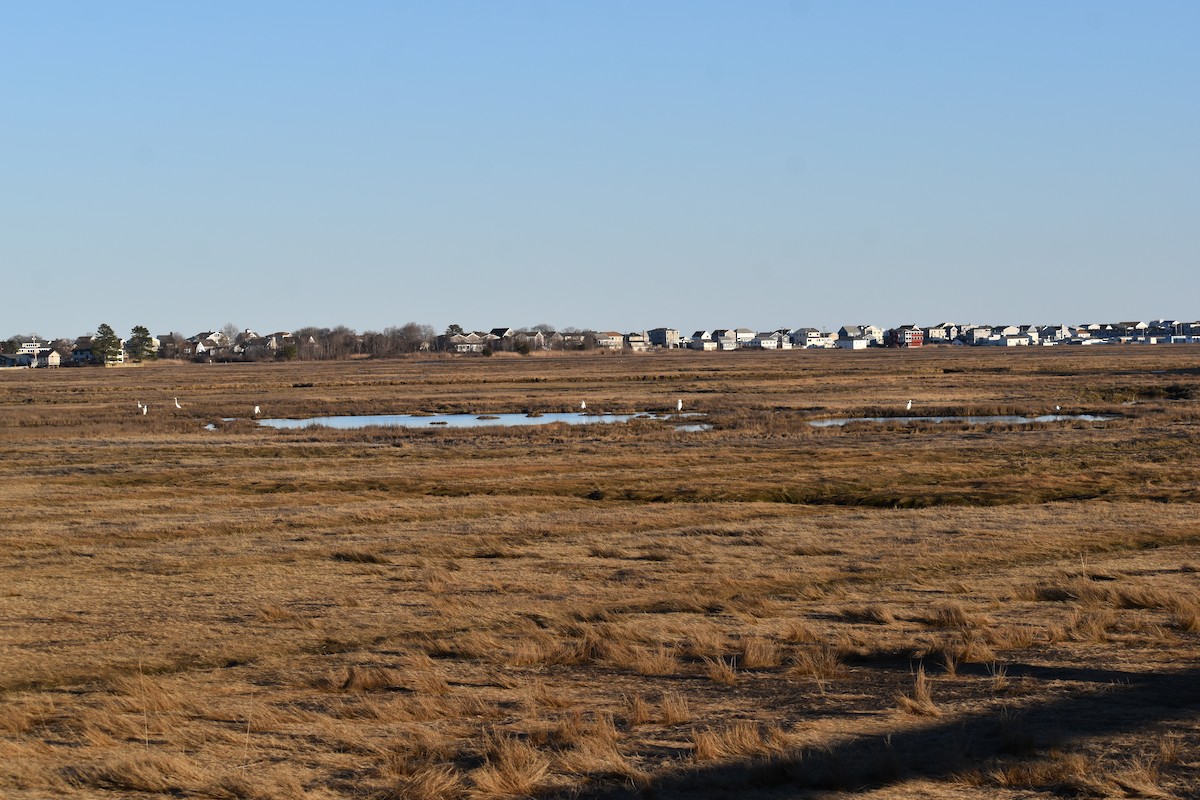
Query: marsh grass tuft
pixel 920 700
pixel 1067 774
pixel 638 710
pixel 675 709
pixel 757 652
pixel 742 739
pixel 954 615
pixel 358 557
pixel 720 671
pixel 873 614
pixel 434 782
pixel 511 768
pixel 144 772
pixel 369 679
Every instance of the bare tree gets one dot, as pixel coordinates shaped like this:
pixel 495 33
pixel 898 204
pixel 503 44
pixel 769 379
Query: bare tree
pixel 378 345
pixel 310 343
pixel 413 336
pixel 341 342
pixel 230 331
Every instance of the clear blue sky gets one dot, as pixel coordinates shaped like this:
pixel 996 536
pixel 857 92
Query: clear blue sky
pixel 608 164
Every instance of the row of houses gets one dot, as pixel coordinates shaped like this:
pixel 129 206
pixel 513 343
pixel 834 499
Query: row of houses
pixel 35 352
pixel 1161 331
pixel 32 352
pixel 508 340
pixel 857 337
pixel 245 344
pixel 249 345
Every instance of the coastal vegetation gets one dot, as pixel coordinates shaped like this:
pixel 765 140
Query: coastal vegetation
pixel 195 605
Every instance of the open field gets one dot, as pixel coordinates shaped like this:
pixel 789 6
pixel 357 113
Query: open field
pixel 762 610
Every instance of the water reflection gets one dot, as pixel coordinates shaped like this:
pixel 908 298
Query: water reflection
pixel 353 422
pixel 1006 419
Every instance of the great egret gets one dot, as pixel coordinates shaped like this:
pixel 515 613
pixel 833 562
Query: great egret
pixel 139 402
pixel 909 406
pixel 145 409
pixel 177 403
pixel 256 411
pixel 679 404
pixel 583 405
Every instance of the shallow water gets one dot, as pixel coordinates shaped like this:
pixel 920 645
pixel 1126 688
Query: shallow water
pixel 353 422
pixel 1007 419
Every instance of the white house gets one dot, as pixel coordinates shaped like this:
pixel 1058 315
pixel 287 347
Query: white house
pixel 637 341
pixel 812 337
pixel 872 333
pixel 610 340
pixel 726 338
pixel 47 358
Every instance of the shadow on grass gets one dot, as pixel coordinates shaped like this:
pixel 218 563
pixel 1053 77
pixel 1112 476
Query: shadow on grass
pixel 1113 703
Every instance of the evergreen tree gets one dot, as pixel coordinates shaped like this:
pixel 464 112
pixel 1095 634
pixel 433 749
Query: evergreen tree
pixel 106 345
pixel 141 344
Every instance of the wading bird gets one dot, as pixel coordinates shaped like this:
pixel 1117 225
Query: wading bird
pixel 177 403
pixel 909 406
pixel 679 404
pixel 145 410
pixel 256 411
pixel 583 405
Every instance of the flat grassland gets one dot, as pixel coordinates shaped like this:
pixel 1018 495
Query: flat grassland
pixel 764 609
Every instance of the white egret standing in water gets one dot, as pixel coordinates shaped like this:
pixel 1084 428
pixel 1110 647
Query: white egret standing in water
pixel 256 411
pixel 583 405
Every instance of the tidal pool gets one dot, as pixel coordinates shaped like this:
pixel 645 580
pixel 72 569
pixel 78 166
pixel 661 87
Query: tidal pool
pixel 353 422
pixel 1007 419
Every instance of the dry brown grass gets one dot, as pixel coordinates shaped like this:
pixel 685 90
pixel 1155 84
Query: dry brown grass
pixel 147 772
pixel 440 782
pixel 820 663
pixel 639 711
pixel 920 699
pixel 757 652
pixel 720 671
pixel 675 709
pixel 954 615
pixel 875 614
pixel 511 768
pixel 440 613
pixel 1062 772
pixel 742 739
